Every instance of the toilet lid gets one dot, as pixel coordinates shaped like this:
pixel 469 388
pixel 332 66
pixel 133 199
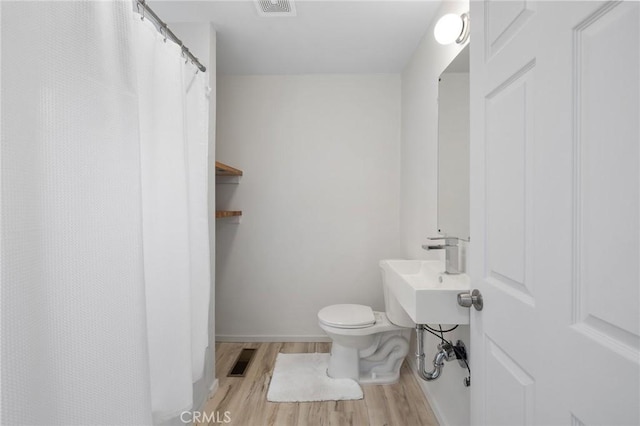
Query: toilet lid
pixel 347 316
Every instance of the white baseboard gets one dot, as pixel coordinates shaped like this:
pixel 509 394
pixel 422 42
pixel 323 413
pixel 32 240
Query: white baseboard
pixel 437 411
pixel 272 338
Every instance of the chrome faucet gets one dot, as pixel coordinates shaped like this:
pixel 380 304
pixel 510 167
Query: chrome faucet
pixel 451 253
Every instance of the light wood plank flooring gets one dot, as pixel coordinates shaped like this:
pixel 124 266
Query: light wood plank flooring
pixel 401 404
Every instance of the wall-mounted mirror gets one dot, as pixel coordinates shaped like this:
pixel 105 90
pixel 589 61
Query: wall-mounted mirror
pixel 453 148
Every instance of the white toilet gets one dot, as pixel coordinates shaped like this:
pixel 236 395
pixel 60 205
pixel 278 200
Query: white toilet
pixel 367 346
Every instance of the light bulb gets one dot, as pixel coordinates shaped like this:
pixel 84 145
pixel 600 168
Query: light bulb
pixel 448 29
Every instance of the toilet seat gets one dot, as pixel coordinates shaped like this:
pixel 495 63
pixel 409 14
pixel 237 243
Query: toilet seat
pixel 347 316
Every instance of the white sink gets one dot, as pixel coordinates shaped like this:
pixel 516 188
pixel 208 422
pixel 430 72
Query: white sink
pixel 425 292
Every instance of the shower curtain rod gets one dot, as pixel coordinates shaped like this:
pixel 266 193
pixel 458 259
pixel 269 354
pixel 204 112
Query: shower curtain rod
pixel 164 30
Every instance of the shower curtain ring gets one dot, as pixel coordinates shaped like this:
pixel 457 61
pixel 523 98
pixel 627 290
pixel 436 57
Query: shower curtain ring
pixel 164 28
pixel 185 52
pixel 144 7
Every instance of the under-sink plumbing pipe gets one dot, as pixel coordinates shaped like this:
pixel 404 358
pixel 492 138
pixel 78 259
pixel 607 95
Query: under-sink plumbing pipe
pixel 445 353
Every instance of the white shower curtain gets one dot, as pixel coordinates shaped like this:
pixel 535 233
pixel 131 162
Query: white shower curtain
pixel 196 106
pixel 173 136
pixel 104 291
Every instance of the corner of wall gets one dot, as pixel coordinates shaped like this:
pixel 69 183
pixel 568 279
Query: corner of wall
pixel 212 69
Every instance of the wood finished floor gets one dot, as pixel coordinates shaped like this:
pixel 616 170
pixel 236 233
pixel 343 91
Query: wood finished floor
pixel 401 404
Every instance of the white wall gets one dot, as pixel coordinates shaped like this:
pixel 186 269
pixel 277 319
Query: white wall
pixel 200 38
pixel 447 395
pixel 320 199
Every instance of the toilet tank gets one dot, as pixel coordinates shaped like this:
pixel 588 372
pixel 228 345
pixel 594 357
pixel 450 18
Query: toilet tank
pixel 395 312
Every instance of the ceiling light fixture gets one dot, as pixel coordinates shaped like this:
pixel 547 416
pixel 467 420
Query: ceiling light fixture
pixel 452 27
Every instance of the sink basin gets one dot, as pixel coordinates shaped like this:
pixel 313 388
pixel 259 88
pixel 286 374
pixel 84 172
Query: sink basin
pixel 427 294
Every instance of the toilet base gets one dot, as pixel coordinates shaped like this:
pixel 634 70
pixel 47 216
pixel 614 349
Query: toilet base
pixel 378 364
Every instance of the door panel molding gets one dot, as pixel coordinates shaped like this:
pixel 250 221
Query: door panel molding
pixel 513 386
pixel 606 184
pixel 508 193
pixel 503 20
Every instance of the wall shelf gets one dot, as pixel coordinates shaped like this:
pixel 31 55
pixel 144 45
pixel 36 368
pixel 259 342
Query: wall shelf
pixel 225 170
pixel 227 213
pixel 227 174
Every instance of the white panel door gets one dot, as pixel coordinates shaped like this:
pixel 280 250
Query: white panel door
pixel 555 217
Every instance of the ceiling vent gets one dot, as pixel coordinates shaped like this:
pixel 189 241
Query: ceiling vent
pixel 276 8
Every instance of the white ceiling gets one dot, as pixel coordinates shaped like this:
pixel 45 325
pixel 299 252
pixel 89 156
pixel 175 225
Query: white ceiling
pixel 348 36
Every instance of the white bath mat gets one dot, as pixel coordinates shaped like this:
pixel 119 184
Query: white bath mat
pixel 303 378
